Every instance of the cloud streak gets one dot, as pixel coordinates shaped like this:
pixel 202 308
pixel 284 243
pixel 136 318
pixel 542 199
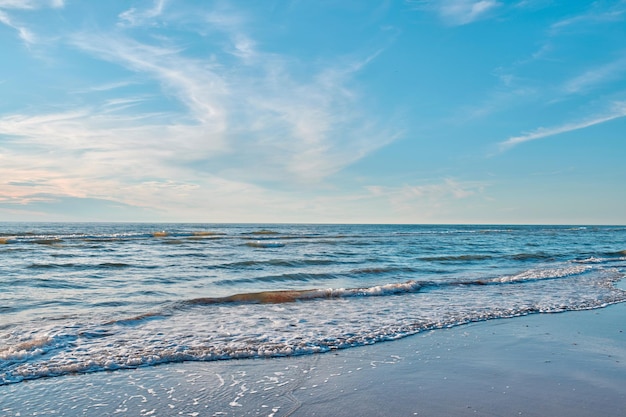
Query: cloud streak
pixel 459 12
pixel 191 82
pixel 596 15
pixel 597 76
pixel 618 111
pixel 134 17
pixel 24 33
pixel 31 4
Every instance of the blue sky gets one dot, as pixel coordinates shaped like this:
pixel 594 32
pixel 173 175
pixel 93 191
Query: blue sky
pixel 415 111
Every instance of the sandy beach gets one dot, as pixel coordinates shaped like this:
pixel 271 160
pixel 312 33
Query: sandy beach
pixel 570 364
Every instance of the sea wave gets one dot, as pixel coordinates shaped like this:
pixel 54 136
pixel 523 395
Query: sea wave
pixel 544 273
pixel 288 263
pixel 288 296
pixel 279 278
pixel 117 296
pixel 286 322
pixel 23 350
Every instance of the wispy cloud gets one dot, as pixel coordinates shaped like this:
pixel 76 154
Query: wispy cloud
pixel 427 200
pixel 618 111
pixel 88 153
pixel 310 125
pixel 105 87
pixel 31 4
pixel 459 12
pixel 597 14
pixel 445 188
pixel 138 17
pixel 542 76
pixel 532 4
pixel 192 81
pixel 596 76
pixel 234 118
pixel 24 33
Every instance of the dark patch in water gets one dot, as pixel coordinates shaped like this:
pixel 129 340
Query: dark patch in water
pixel 115 265
pixel 457 258
pixel 532 256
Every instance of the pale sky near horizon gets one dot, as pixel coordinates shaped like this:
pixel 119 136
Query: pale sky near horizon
pixel 352 111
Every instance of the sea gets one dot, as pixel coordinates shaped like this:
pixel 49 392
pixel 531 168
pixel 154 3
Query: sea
pixel 91 297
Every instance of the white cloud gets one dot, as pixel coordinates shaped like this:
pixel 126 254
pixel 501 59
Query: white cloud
pixel 88 154
pixel 437 201
pixel 408 195
pixel 310 127
pixel 135 17
pixel 618 111
pixel 31 4
pixel 192 81
pixel 596 15
pixel 597 76
pixel 4 18
pixel 24 33
pixel 105 87
pixel 91 154
pixel 460 12
pixel 532 4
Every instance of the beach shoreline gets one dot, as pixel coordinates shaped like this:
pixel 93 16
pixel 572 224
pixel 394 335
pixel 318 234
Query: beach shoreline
pixel 571 363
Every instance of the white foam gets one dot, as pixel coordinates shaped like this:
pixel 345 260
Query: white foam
pixel 547 273
pixel 333 318
pixel 265 244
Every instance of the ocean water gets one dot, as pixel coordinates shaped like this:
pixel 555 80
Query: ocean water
pixel 78 297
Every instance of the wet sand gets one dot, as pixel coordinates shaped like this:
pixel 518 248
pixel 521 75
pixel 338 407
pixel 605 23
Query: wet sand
pixel 570 364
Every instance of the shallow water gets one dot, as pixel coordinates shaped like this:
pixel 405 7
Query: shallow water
pixel 91 297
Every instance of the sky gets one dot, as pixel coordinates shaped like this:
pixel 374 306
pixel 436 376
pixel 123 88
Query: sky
pixel 303 111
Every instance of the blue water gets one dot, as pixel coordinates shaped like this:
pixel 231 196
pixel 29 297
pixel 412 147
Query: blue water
pixel 91 297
